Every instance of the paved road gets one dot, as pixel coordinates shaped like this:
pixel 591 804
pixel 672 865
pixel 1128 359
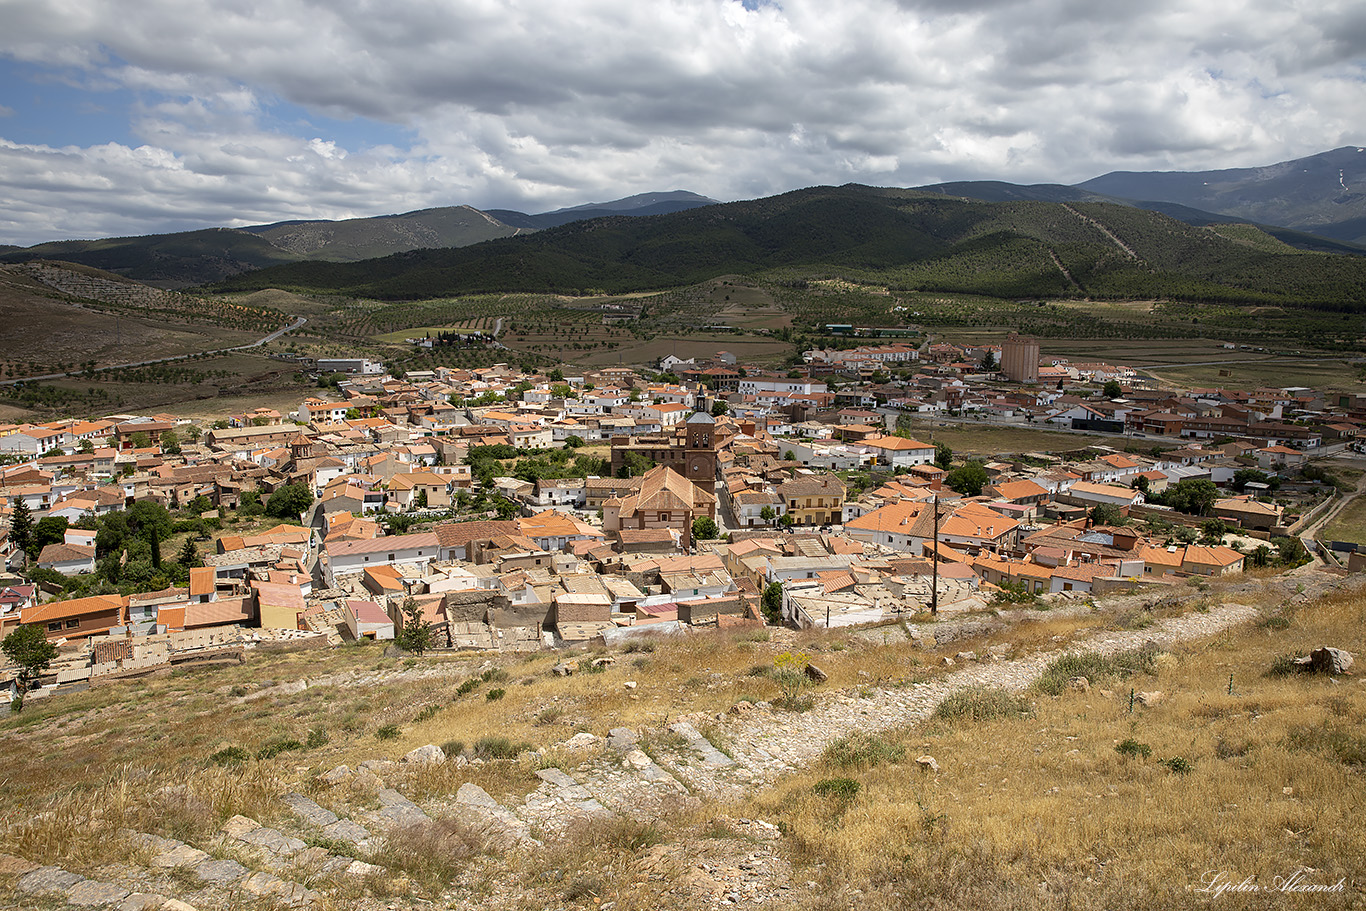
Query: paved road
pixel 298 323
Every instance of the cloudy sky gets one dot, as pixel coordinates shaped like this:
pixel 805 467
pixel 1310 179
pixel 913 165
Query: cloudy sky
pixel 139 116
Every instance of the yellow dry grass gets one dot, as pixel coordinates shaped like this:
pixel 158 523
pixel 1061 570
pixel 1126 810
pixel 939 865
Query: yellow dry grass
pixel 1043 812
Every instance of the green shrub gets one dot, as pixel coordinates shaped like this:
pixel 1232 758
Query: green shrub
pixel 387 732
pixel 498 748
pixel 838 788
pixel 1095 667
pixel 427 714
pixel 453 747
pixel 496 674
pixel 1347 747
pixel 862 751
pixel 550 715
pixel 1178 765
pixel 230 756
pixel 275 747
pixel 982 703
pixel 1131 748
pixel 494 695
pixel 469 686
pixel 316 737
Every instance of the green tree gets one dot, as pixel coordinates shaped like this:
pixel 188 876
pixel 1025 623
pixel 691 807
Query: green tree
pixel 771 603
pixel 634 464
pixel 140 440
pixel 27 647
pixel 1245 476
pixel 718 408
pixel 943 456
pixel 170 443
pixel 21 524
pixel 290 501
pixel 1213 530
pixel 1112 389
pixel 703 528
pixel 768 515
pixel 968 479
pixel 1141 484
pixel 1193 496
pixel 87 446
pixel 189 554
pixel 49 530
pixel 989 361
pixel 416 634
pixel 1107 514
pixel 786 520
pixel 148 519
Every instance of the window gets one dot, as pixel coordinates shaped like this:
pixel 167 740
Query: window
pixel 55 627
pixel 73 623
pixel 391 558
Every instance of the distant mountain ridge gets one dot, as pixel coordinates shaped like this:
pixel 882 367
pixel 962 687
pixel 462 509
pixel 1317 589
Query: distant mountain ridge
pixel 191 258
pixel 1322 194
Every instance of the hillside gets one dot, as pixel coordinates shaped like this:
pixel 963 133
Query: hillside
pixel 906 239
pixel 1324 194
pixel 366 238
pixel 165 260
pixel 969 767
pixel 640 204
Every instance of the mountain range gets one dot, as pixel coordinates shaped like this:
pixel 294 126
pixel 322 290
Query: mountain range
pixel 1314 203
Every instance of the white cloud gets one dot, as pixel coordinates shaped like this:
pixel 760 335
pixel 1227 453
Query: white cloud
pixel 542 103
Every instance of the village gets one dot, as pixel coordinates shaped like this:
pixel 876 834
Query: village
pixel 511 511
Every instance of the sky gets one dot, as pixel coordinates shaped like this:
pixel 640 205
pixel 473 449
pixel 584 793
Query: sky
pixel 127 117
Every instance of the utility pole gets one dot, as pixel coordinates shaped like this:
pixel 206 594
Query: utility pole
pixel 934 562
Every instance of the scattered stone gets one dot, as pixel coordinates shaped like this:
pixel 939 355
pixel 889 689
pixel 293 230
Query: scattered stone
pixel 1000 651
pixel 605 661
pixel 946 661
pixel 622 738
pixel 398 809
pixel 1079 684
pixel 471 795
pixel 308 810
pixel 239 826
pixel 337 775
pixel 1106 694
pixel 349 831
pixel 182 856
pixel 220 871
pixel 379 767
pixel 367 780
pixel 145 901
pixel 637 759
pixel 1288 792
pixel 815 674
pixel 927 762
pixel 90 892
pixel 429 753
pixel 629 685
pixel 175 904
pixel 47 879
pixel 361 868
pixel 273 840
pixel 1148 700
pixel 966 656
pixel 743 708
pixel 557 777
pixel 565 668
pixel 581 740
pixel 1328 660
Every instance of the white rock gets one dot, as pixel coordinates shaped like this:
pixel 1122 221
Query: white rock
pixel 927 762
pixel 429 753
pixel 581 740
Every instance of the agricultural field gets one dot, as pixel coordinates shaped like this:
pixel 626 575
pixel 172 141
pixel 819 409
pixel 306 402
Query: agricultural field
pixel 44 332
pixel 1348 525
pixel 188 387
pixel 990 440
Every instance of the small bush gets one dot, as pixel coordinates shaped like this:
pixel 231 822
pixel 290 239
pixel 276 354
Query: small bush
pixel 1132 749
pixel 495 695
pixel 276 747
pixel 427 714
pixel 498 748
pixel 633 648
pixel 1284 666
pixel 387 732
pixel 453 747
pixel 1347 747
pixel 593 668
pixel 862 751
pixel 496 674
pixel 1095 667
pixel 759 670
pixel 838 788
pixel 1178 765
pixel 230 756
pixel 1275 623
pixel 316 737
pixel 979 703
pixel 469 686
pixel 550 715
pixel 431 853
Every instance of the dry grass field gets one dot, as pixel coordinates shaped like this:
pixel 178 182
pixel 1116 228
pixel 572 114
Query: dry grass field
pixel 1233 771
